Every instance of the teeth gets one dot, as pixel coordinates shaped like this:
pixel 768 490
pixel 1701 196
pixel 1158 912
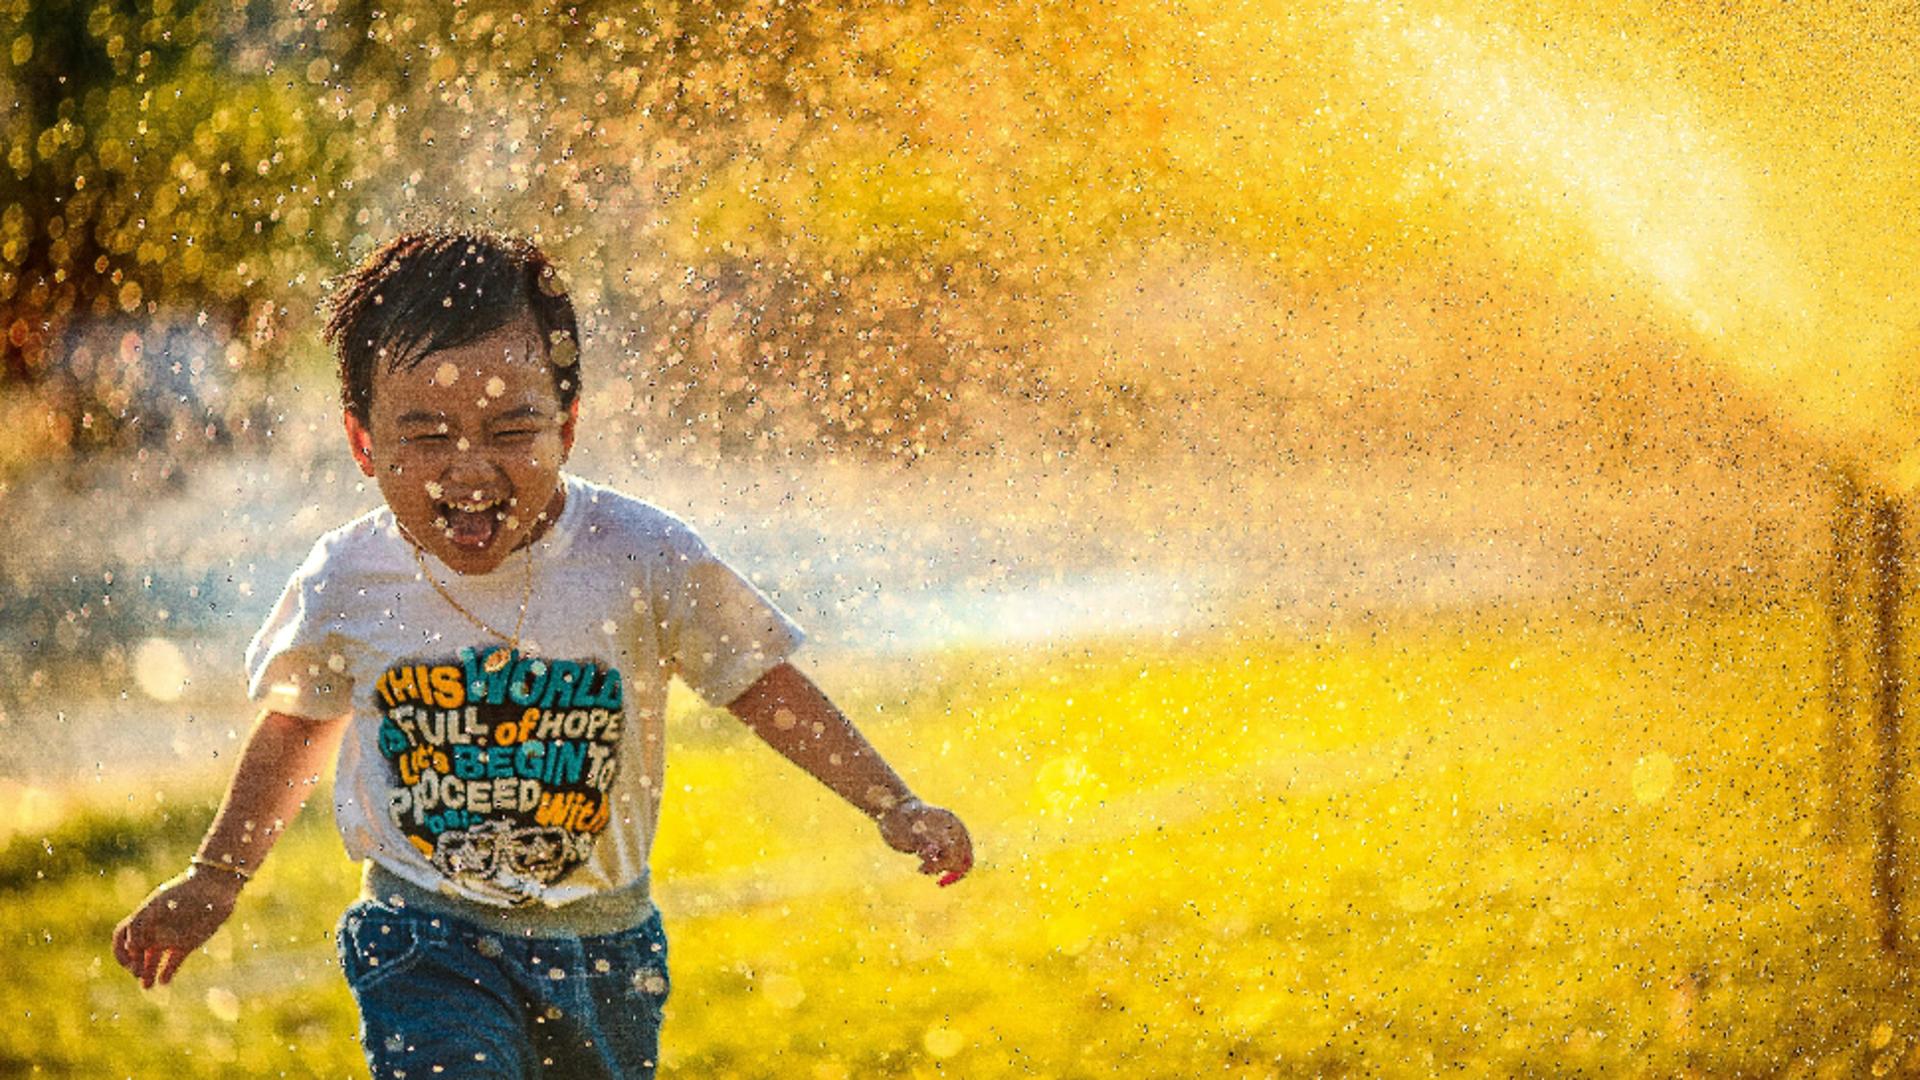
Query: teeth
pixel 474 507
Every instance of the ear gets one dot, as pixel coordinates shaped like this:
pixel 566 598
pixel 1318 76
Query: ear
pixel 360 442
pixel 566 429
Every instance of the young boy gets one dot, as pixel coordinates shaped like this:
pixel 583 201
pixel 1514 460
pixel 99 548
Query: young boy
pixel 495 644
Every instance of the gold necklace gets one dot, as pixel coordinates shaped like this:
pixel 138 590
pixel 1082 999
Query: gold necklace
pixel 496 658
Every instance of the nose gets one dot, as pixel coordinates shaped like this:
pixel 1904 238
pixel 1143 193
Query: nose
pixel 468 469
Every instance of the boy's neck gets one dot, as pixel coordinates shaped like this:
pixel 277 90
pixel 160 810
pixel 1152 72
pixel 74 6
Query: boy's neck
pixel 547 517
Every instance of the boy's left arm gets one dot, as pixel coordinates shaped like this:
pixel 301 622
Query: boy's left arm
pixel 791 715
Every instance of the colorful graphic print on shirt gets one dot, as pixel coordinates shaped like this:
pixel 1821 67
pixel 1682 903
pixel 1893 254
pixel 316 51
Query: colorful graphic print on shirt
pixel 501 777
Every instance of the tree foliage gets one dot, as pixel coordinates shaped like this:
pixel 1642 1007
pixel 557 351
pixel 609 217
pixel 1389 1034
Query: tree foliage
pixel 760 205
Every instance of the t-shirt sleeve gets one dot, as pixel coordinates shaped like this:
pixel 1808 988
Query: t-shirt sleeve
pixel 297 662
pixel 720 634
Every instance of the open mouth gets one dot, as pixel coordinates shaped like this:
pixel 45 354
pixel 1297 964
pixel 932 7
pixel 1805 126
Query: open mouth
pixel 472 522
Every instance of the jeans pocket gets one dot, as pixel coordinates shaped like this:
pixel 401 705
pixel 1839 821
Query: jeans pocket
pixel 631 964
pixel 378 942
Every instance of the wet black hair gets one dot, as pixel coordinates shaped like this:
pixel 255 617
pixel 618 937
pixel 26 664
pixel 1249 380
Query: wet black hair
pixel 433 289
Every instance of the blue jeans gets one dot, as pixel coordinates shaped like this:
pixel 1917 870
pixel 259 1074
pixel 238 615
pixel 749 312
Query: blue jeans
pixel 435 990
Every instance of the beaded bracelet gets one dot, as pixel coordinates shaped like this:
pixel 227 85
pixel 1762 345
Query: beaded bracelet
pixel 240 872
pixel 907 803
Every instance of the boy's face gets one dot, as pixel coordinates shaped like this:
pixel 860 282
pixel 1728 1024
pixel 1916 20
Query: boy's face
pixel 467 446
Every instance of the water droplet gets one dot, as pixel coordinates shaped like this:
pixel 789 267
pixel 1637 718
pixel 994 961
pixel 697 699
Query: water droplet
pixel 223 1003
pixel 785 991
pixel 1652 777
pixel 161 669
pixel 943 1042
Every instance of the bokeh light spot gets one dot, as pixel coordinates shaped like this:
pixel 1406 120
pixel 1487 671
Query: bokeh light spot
pixel 1652 777
pixel 160 669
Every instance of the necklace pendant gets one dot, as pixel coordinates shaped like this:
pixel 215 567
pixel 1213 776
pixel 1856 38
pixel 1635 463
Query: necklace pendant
pixel 496 660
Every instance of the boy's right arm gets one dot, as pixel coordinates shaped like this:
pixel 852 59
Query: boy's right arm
pixel 283 759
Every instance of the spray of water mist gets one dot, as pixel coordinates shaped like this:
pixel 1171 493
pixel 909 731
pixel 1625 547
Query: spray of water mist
pixel 1668 192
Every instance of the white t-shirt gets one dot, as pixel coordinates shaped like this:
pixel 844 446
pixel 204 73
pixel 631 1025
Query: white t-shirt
pixel 539 782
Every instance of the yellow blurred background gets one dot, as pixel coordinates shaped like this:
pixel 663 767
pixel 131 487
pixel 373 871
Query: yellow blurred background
pixel 1339 496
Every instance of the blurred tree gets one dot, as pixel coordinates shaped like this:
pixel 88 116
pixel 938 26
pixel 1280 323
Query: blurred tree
pixel 744 200
pixel 860 226
pixel 164 180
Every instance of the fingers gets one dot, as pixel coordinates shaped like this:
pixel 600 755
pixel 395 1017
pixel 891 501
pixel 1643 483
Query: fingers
pixel 950 870
pixel 169 964
pixel 152 965
pixel 950 854
pixel 936 836
pixel 131 950
pixel 958 869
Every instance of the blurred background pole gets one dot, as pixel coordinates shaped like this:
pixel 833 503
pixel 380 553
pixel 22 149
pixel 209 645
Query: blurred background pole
pixel 1843 742
pixel 1884 659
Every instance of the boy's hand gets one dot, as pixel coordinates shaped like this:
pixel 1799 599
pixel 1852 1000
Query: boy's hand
pixel 934 834
pixel 176 919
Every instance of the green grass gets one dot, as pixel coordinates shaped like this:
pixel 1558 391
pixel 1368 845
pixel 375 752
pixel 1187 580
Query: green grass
pixel 1514 843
